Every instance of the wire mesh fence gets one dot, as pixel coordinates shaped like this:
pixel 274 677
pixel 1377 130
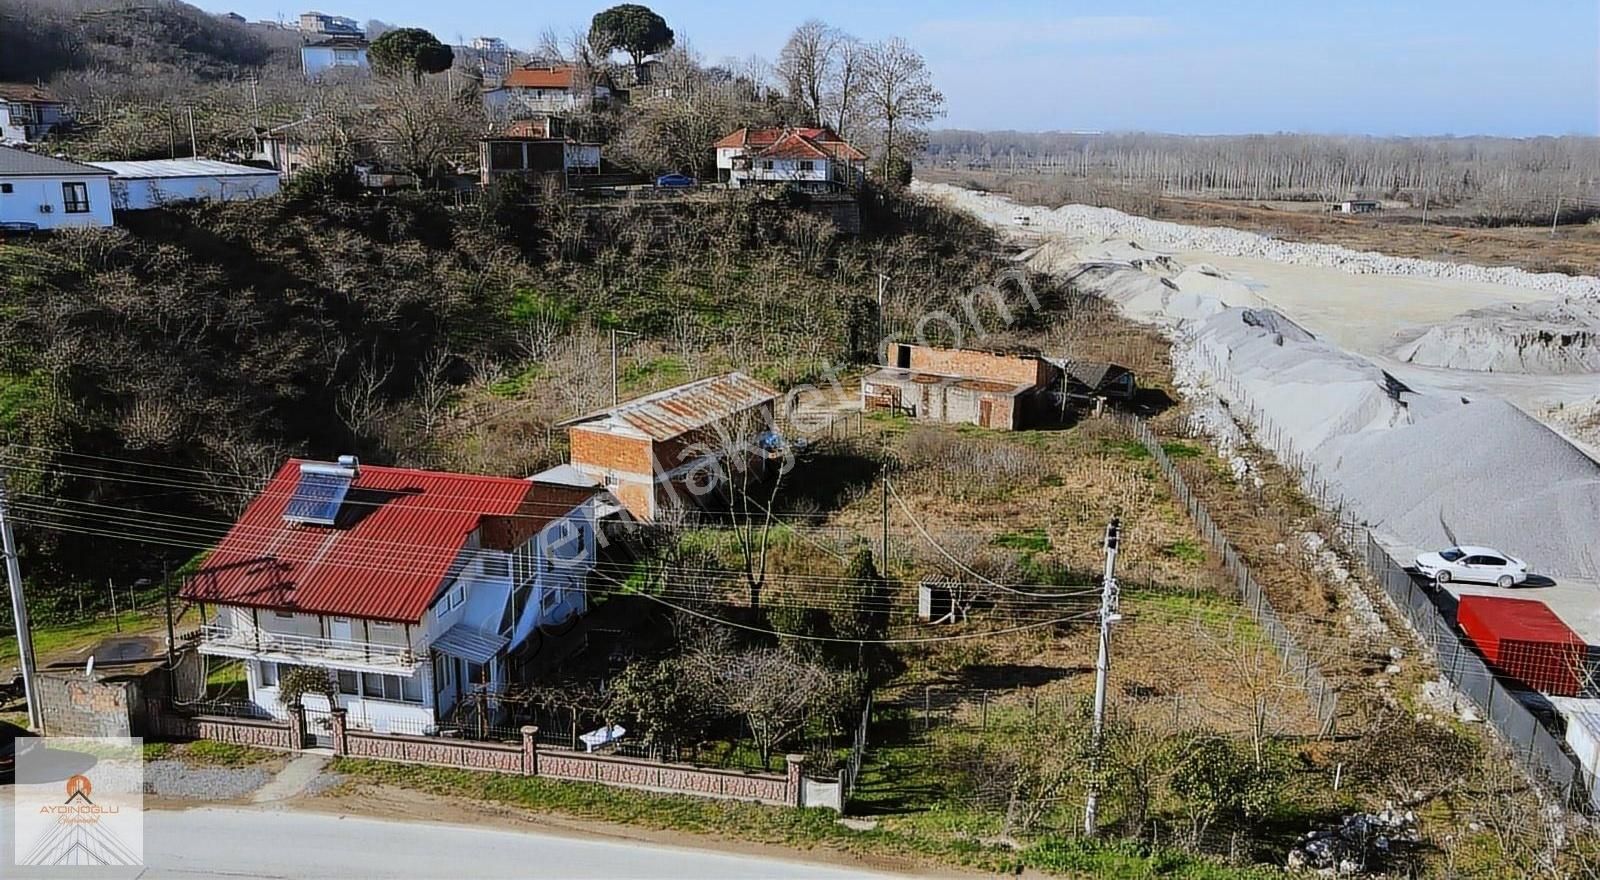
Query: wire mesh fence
pixel 1324 699
pixel 1530 740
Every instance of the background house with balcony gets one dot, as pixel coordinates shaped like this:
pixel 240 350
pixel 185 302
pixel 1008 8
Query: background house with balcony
pixel 678 447
pixel 414 590
pixel 810 158
pixel 536 90
pixel 28 113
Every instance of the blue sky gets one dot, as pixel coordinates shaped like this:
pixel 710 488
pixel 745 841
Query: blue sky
pixel 1508 67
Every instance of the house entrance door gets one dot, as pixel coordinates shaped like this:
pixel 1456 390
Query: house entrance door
pixel 986 413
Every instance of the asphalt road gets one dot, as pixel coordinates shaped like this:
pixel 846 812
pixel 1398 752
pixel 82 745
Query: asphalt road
pixel 270 843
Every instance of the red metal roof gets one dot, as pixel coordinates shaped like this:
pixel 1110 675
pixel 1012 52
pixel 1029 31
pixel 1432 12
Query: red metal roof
pixel 1524 640
pixel 399 532
pixel 559 77
pixel 790 143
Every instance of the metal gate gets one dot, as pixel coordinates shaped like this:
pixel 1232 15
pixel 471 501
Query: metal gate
pixel 319 728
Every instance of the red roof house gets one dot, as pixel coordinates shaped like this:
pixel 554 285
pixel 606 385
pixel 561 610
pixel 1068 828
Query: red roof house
pixel 809 157
pixel 410 588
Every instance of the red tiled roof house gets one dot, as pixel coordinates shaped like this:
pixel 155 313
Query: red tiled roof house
pixel 411 588
pixel 28 113
pixel 535 89
pixel 811 158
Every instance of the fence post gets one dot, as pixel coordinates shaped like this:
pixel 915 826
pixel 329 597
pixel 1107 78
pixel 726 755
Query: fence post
pixel 336 723
pixel 530 750
pixel 297 727
pixel 797 787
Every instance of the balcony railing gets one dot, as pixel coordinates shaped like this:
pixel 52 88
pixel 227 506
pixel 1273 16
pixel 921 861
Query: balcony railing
pixel 247 641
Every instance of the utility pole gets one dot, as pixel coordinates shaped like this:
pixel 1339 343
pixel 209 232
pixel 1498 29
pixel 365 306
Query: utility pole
pixel 19 609
pixel 614 332
pixel 883 284
pixel 883 555
pixel 1554 217
pixel 194 146
pixel 1102 668
pixel 166 593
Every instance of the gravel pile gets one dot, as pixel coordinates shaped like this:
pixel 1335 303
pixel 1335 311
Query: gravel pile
pixel 1084 222
pixel 1424 467
pixel 1560 336
pixel 176 779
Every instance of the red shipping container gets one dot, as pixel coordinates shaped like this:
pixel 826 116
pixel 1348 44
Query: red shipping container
pixel 1525 641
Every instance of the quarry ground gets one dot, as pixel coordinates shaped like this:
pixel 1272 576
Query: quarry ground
pixel 1411 393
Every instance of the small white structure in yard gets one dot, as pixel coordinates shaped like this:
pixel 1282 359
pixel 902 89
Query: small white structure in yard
pixel 138 186
pixel 40 192
pixel 1583 736
pixel 1359 206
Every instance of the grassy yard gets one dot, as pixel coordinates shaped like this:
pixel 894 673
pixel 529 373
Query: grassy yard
pixel 208 753
pixel 926 840
pixel 54 641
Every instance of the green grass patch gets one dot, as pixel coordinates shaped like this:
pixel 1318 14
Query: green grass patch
pixel 646 375
pixel 20 397
pixel 1176 450
pixel 1130 860
pixel 219 754
pixel 49 640
pixel 1184 550
pixel 516 385
pixel 528 304
pixel 1032 541
pixel 1130 449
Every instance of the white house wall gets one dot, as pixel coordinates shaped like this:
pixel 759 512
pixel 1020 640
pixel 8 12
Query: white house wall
pixel 140 193
pixel 22 204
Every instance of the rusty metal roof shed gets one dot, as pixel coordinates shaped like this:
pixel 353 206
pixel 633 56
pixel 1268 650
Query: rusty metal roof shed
pixel 681 409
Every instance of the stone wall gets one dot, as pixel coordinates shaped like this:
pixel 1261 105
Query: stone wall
pixel 77 706
pixel 463 754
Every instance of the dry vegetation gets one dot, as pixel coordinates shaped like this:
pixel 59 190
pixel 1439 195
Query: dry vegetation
pixel 1449 236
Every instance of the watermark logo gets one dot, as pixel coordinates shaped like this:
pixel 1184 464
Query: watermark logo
pixel 79 802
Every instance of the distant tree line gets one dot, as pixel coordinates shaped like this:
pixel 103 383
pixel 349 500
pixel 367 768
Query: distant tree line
pixel 1505 178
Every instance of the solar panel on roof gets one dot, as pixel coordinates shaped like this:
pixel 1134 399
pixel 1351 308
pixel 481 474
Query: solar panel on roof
pixel 319 493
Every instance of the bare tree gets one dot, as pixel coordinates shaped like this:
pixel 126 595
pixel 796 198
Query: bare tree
pixel 806 66
pixel 361 404
pixel 898 97
pixel 774 690
pixel 845 86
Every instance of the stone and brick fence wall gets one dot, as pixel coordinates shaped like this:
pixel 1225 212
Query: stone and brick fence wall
pixel 790 789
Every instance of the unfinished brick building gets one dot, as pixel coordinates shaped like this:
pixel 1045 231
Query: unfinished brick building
pixel 959 385
pixel 678 447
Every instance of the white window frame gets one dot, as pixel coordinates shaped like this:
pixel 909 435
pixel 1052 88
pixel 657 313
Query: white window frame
pixel 262 674
pixel 283 615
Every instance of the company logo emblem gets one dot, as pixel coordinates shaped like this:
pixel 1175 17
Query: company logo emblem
pixel 79 802
pixel 79 786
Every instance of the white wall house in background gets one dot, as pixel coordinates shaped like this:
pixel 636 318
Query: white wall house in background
pixel 152 184
pixel 323 23
pixel 333 53
pixel 28 113
pixel 39 192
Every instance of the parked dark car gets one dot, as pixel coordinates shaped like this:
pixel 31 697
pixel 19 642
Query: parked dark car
pixel 8 749
pixel 675 181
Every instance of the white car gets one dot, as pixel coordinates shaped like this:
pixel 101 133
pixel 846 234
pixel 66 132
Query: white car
pixel 1479 564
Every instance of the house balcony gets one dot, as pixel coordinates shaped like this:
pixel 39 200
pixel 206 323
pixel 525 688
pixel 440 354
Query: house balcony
pixel 259 644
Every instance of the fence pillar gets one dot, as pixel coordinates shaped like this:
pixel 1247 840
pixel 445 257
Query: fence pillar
pixel 337 728
pixel 530 750
pixel 297 727
pixel 797 782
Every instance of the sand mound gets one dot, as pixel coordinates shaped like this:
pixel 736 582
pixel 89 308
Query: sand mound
pixel 1410 462
pixel 1540 337
pixel 1486 470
